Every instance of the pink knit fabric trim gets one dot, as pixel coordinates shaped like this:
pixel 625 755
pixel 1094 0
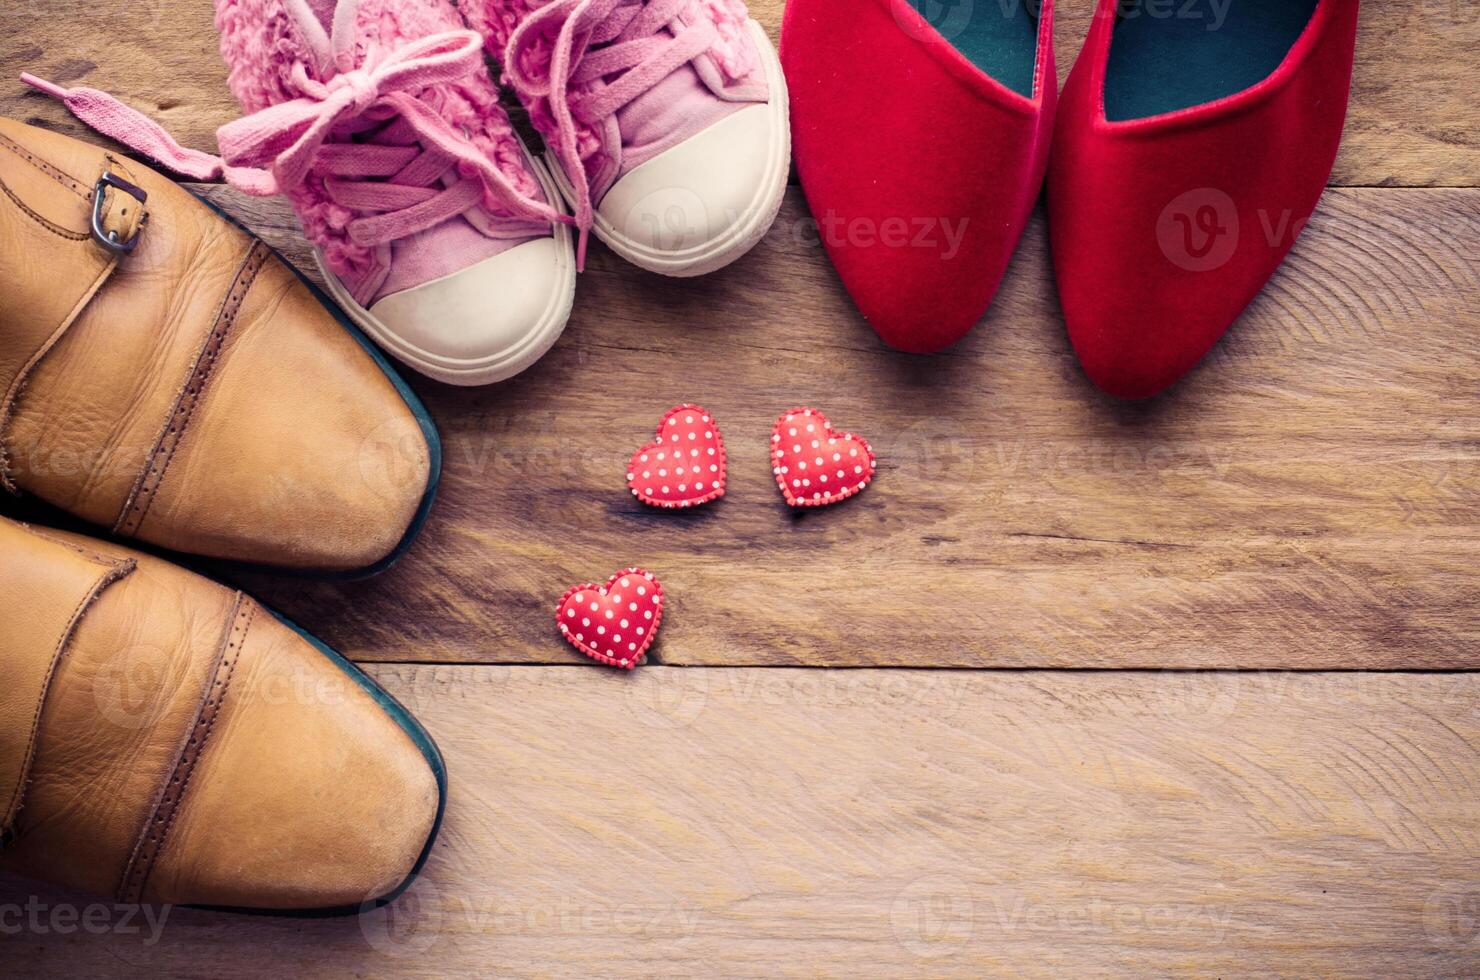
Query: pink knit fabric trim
pixel 260 43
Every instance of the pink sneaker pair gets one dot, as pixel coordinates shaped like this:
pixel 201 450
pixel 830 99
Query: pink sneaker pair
pixel 435 228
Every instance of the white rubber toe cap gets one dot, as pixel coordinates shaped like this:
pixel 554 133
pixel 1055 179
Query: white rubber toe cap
pixel 704 202
pixel 488 322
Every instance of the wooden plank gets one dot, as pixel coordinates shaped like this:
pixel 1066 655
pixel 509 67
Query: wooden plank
pixel 873 823
pixel 1308 498
pixel 1412 119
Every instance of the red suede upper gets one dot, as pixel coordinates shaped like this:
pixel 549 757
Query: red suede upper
pixel 1164 228
pixel 920 169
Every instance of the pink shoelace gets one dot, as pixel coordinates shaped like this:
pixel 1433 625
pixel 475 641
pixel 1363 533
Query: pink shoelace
pixel 591 40
pixel 411 179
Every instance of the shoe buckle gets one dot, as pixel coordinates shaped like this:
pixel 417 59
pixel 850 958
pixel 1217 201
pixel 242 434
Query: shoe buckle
pixel 109 239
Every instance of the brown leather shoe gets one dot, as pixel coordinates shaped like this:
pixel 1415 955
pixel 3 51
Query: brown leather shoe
pixel 166 739
pixel 166 376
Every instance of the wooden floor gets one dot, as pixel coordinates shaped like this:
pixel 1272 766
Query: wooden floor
pixel 1239 733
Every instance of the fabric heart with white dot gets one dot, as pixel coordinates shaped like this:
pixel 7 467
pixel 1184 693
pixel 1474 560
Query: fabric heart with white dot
pixel 684 466
pixel 815 465
pixel 613 623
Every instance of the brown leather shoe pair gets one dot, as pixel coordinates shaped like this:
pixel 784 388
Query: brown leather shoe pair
pixel 165 376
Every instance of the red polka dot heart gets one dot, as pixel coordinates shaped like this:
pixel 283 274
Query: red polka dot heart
pixel 684 466
pixel 613 623
pixel 814 465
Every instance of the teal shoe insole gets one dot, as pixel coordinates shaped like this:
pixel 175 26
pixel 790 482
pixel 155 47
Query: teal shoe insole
pixel 1173 54
pixel 1000 37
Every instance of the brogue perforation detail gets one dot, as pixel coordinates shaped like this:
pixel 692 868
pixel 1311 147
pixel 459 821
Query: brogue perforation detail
pixel 167 805
pixel 136 508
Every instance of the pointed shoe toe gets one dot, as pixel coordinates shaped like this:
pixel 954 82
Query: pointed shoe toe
pixel 1186 163
pixel 921 153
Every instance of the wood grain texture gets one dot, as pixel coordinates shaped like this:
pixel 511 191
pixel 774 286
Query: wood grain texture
pixel 1309 497
pixel 1412 121
pixel 893 823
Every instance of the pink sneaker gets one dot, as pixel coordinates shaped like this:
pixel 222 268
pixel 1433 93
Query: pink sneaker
pixel 377 119
pixel 666 120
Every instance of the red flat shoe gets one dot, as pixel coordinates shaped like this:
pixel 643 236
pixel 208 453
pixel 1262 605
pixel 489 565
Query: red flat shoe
pixel 1189 154
pixel 921 149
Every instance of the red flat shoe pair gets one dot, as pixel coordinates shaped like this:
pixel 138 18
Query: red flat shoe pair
pixel 1191 144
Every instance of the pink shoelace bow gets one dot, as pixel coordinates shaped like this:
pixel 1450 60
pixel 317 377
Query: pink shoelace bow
pixel 397 186
pixel 594 40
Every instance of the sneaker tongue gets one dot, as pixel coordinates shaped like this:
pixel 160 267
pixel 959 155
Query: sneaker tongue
pixel 676 108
